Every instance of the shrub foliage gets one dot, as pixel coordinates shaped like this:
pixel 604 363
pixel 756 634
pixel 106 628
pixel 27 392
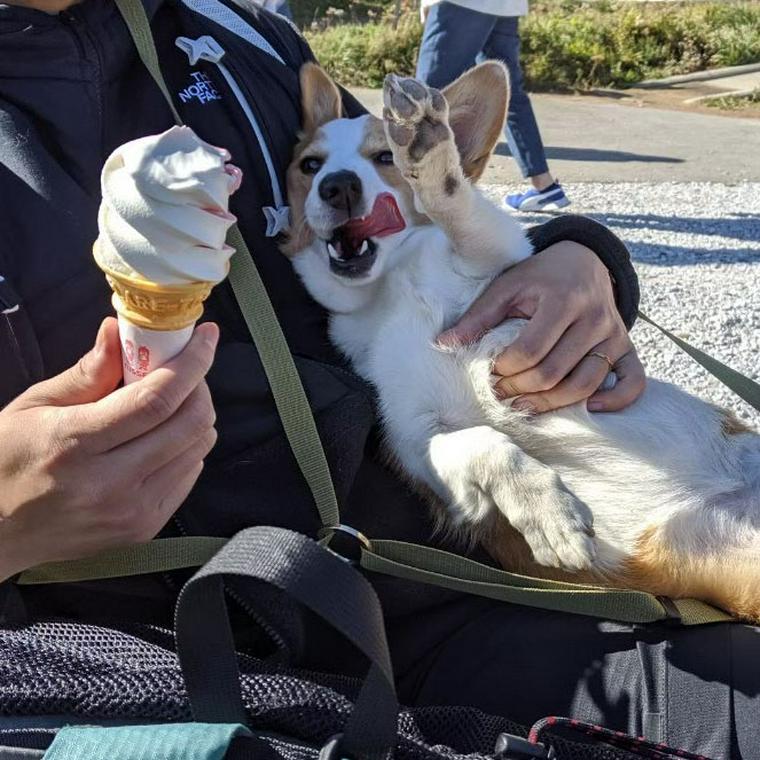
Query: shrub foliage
pixel 567 44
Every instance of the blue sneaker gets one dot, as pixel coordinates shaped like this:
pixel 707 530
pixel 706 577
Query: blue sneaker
pixel 538 200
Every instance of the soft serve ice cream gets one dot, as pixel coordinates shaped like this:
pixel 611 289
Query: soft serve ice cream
pixel 162 223
pixel 164 214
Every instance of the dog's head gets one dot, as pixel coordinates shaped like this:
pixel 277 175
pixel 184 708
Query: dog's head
pixel 347 197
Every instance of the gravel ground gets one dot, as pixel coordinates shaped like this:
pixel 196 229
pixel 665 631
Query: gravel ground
pixel 696 248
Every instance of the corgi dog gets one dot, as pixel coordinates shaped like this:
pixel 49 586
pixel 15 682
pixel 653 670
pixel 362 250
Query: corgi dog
pixel 391 236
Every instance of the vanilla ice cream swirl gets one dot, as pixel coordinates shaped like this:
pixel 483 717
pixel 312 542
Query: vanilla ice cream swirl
pixel 164 212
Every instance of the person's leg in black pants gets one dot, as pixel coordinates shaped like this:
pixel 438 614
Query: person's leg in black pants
pixel 695 687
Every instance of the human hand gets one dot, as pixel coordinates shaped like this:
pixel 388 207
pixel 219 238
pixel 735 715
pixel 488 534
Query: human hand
pixel 85 466
pixel 566 293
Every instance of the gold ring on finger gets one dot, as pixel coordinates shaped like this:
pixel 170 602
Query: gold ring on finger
pixel 603 357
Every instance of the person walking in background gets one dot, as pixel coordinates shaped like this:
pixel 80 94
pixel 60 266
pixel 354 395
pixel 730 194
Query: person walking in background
pixel 282 7
pixel 460 33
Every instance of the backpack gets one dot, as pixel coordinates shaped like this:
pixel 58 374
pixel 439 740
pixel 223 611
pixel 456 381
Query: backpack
pixel 135 691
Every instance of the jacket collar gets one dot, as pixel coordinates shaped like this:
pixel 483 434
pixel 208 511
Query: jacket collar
pixel 34 43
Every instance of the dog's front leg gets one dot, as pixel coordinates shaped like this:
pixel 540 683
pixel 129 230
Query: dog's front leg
pixel 424 147
pixel 479 470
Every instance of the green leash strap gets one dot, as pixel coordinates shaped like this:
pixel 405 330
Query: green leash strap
pixel 423 564
pixel 137 22
pixel 160 555
pixel 412 562
pixel 744 387
pixel 284 380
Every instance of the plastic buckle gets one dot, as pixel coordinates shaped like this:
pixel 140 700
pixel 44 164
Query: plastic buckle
pixel 672 615
pixel 345 542
pixel 331 749
pixel 509 747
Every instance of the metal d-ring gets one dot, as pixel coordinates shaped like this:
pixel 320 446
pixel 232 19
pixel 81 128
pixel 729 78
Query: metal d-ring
pixel 348 550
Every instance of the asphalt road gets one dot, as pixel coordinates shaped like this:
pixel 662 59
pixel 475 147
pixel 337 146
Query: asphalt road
pixel 595 139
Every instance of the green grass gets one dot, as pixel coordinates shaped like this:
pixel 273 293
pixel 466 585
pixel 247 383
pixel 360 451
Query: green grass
pixel 567 44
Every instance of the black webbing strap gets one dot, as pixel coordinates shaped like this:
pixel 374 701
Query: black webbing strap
pixel 261 560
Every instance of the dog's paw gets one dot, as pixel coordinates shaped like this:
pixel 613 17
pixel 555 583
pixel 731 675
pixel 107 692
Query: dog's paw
pixel 559 530
pixel 416 120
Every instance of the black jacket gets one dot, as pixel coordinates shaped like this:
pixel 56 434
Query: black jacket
pixel 71 90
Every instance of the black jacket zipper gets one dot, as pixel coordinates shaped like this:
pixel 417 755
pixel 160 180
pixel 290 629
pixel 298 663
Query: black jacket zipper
pixel 85 42
pixel 71 22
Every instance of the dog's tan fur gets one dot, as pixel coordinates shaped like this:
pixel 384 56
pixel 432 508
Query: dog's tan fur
pixel 375 141
pixel 321 103
pixel 732 425
pixel 728 579
pixel 466 112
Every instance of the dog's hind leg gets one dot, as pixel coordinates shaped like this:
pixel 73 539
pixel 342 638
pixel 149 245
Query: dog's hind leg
pixel 707 555
pixel 479 474
pixel 441 143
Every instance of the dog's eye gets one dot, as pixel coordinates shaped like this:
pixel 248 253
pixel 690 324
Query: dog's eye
pixel 384 157
pixel 311 165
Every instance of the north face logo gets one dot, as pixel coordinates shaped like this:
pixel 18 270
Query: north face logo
pixel 202 89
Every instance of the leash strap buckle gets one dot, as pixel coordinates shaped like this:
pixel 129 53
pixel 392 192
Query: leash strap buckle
pixel 672 613
pixel 345 542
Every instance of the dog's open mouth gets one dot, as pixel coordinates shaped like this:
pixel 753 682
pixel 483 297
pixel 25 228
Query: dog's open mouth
pixel 352 247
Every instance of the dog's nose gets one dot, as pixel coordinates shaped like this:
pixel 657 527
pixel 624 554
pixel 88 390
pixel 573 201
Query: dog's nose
pixel 342 190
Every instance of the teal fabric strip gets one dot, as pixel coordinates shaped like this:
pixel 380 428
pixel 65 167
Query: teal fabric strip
pixel 176 741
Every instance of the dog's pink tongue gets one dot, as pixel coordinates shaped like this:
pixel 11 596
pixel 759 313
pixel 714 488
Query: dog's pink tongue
pixel 384 220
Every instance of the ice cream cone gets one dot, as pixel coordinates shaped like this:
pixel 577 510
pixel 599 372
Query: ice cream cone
pixel 162 226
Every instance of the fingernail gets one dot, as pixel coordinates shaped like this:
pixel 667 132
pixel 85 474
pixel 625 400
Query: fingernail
pixel 594 406
pixel 447 339
pixel 499 394
pixel 100 341
pixel 524 406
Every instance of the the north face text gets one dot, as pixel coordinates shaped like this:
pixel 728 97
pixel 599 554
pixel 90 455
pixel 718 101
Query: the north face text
pixel 202 89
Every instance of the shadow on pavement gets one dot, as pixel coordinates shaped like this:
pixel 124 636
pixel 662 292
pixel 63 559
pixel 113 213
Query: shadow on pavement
pixel 742 227
pixel 657 254
pixel 739 226
pixel 594 154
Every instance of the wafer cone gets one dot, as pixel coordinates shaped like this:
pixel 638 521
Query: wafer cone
pixel 157 307
pixel 155 321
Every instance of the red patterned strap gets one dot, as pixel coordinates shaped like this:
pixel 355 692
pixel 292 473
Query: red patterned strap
pixel 635 745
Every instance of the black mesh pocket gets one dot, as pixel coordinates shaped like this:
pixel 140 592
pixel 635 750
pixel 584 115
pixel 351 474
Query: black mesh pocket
pixel 93 673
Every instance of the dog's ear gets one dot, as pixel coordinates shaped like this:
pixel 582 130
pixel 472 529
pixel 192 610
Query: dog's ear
pixel 478 103
pixel 320 97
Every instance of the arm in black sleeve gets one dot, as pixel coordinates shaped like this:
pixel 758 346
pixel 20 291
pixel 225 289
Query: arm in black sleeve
pixel 606 245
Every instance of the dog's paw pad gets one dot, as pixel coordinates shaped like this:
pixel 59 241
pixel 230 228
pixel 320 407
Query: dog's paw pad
pixel 564 537
pixel 416 117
